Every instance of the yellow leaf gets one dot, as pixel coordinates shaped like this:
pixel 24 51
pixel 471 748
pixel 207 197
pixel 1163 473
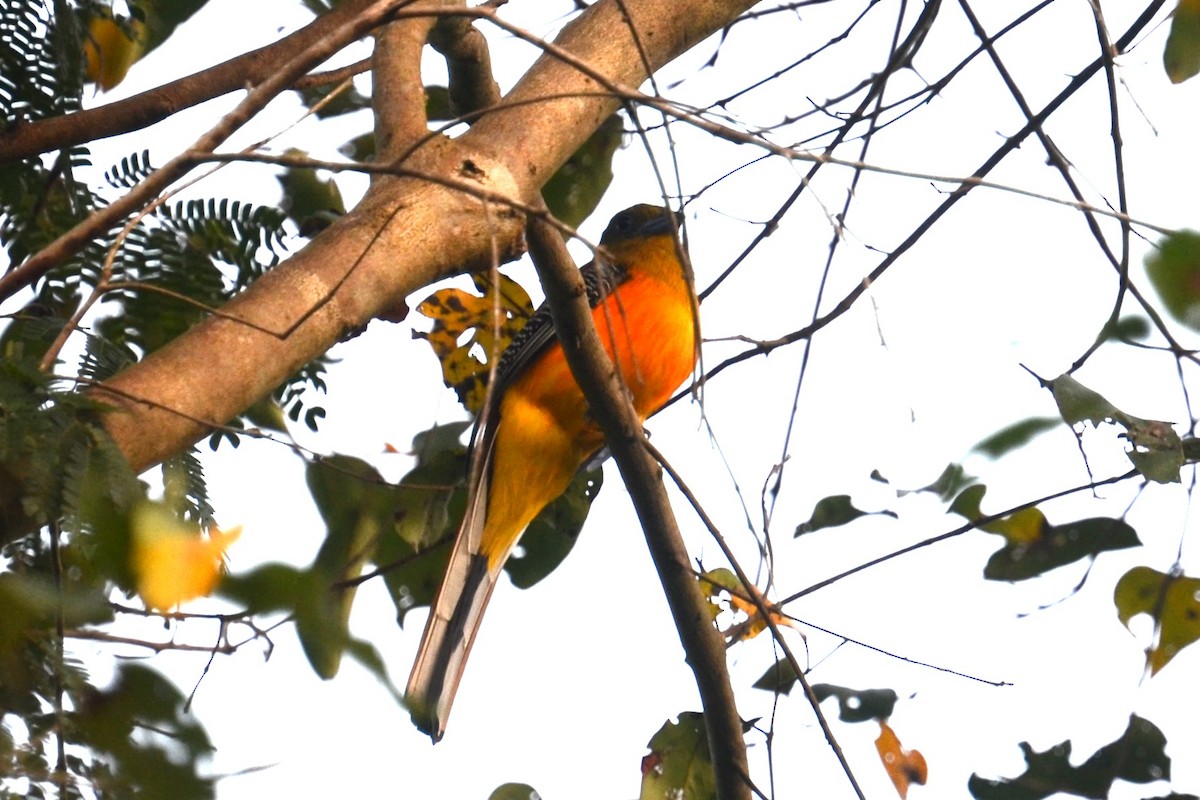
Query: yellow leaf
pixel 111 48
pixel 465 362
pixel 904 767
pixel 1023 527
pixel 1171 600
pixel 172 560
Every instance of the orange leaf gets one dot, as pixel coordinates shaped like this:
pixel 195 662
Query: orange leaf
pixel 904 767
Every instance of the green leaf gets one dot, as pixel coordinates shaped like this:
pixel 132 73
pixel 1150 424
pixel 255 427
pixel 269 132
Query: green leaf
pixel 1077 403
pixel 858 705
pixel 31 605
pixel 514 791
pixel 162 17
pixel 430 497
pixel 429 505
pixel 142 738
pixel 1174 270
pixel 552 534
pixel 1015 436
pixel 1127 329
pixel 1157 450
pixel 830 512
pixel 948 484
pixel 347 101
pixel 1038 547
pixel 357 506
pixel 1138 756
pixel 311 202
pixel 573 192
pixel 1033 546
pixel 1181 57
pixel 678 765
pixel 967 504
pixel 779 678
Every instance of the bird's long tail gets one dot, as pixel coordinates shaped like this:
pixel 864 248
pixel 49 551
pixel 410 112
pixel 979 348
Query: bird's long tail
pixel 458 609
pixel 447 641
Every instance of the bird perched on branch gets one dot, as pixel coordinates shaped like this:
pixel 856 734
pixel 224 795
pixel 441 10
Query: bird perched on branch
pixel 535 432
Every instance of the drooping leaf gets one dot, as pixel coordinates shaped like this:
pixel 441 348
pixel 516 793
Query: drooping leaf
pixel 1138 756
pixel 429 505
pixel 832 511
pixel 904 767
pixel 492 320
pixel 1015 436
pixel 1174 270
pixel 858 705
pixel 357 506
pixel 574 191
pixel 430 497
pixel 678 764
pixel 553 533
pixel 1033 546
pixel 1172 600
pixel 1181 57
pixel 308 596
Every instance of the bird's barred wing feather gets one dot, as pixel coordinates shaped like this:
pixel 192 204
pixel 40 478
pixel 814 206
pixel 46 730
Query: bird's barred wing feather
pixel 600 278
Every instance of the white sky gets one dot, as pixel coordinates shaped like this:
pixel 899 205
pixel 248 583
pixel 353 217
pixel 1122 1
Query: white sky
pixel 570 679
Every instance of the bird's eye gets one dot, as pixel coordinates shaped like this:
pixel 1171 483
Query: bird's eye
pixel 624 223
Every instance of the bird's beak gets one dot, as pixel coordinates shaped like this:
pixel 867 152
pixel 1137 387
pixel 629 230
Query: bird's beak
pixel 662 224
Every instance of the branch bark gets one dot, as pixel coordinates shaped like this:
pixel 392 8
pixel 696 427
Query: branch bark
pixel 406 234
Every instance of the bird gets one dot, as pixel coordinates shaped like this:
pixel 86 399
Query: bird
pixel 535 432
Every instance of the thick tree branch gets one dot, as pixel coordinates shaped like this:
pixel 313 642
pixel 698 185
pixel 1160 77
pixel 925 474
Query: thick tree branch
pixel 468 62
pixel 406 234
pixel 610 406
pixel 155 105
pixel 398 93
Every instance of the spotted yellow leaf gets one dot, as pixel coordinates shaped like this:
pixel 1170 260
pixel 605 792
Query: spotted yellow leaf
pixel 491 321
pixel 1171 600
